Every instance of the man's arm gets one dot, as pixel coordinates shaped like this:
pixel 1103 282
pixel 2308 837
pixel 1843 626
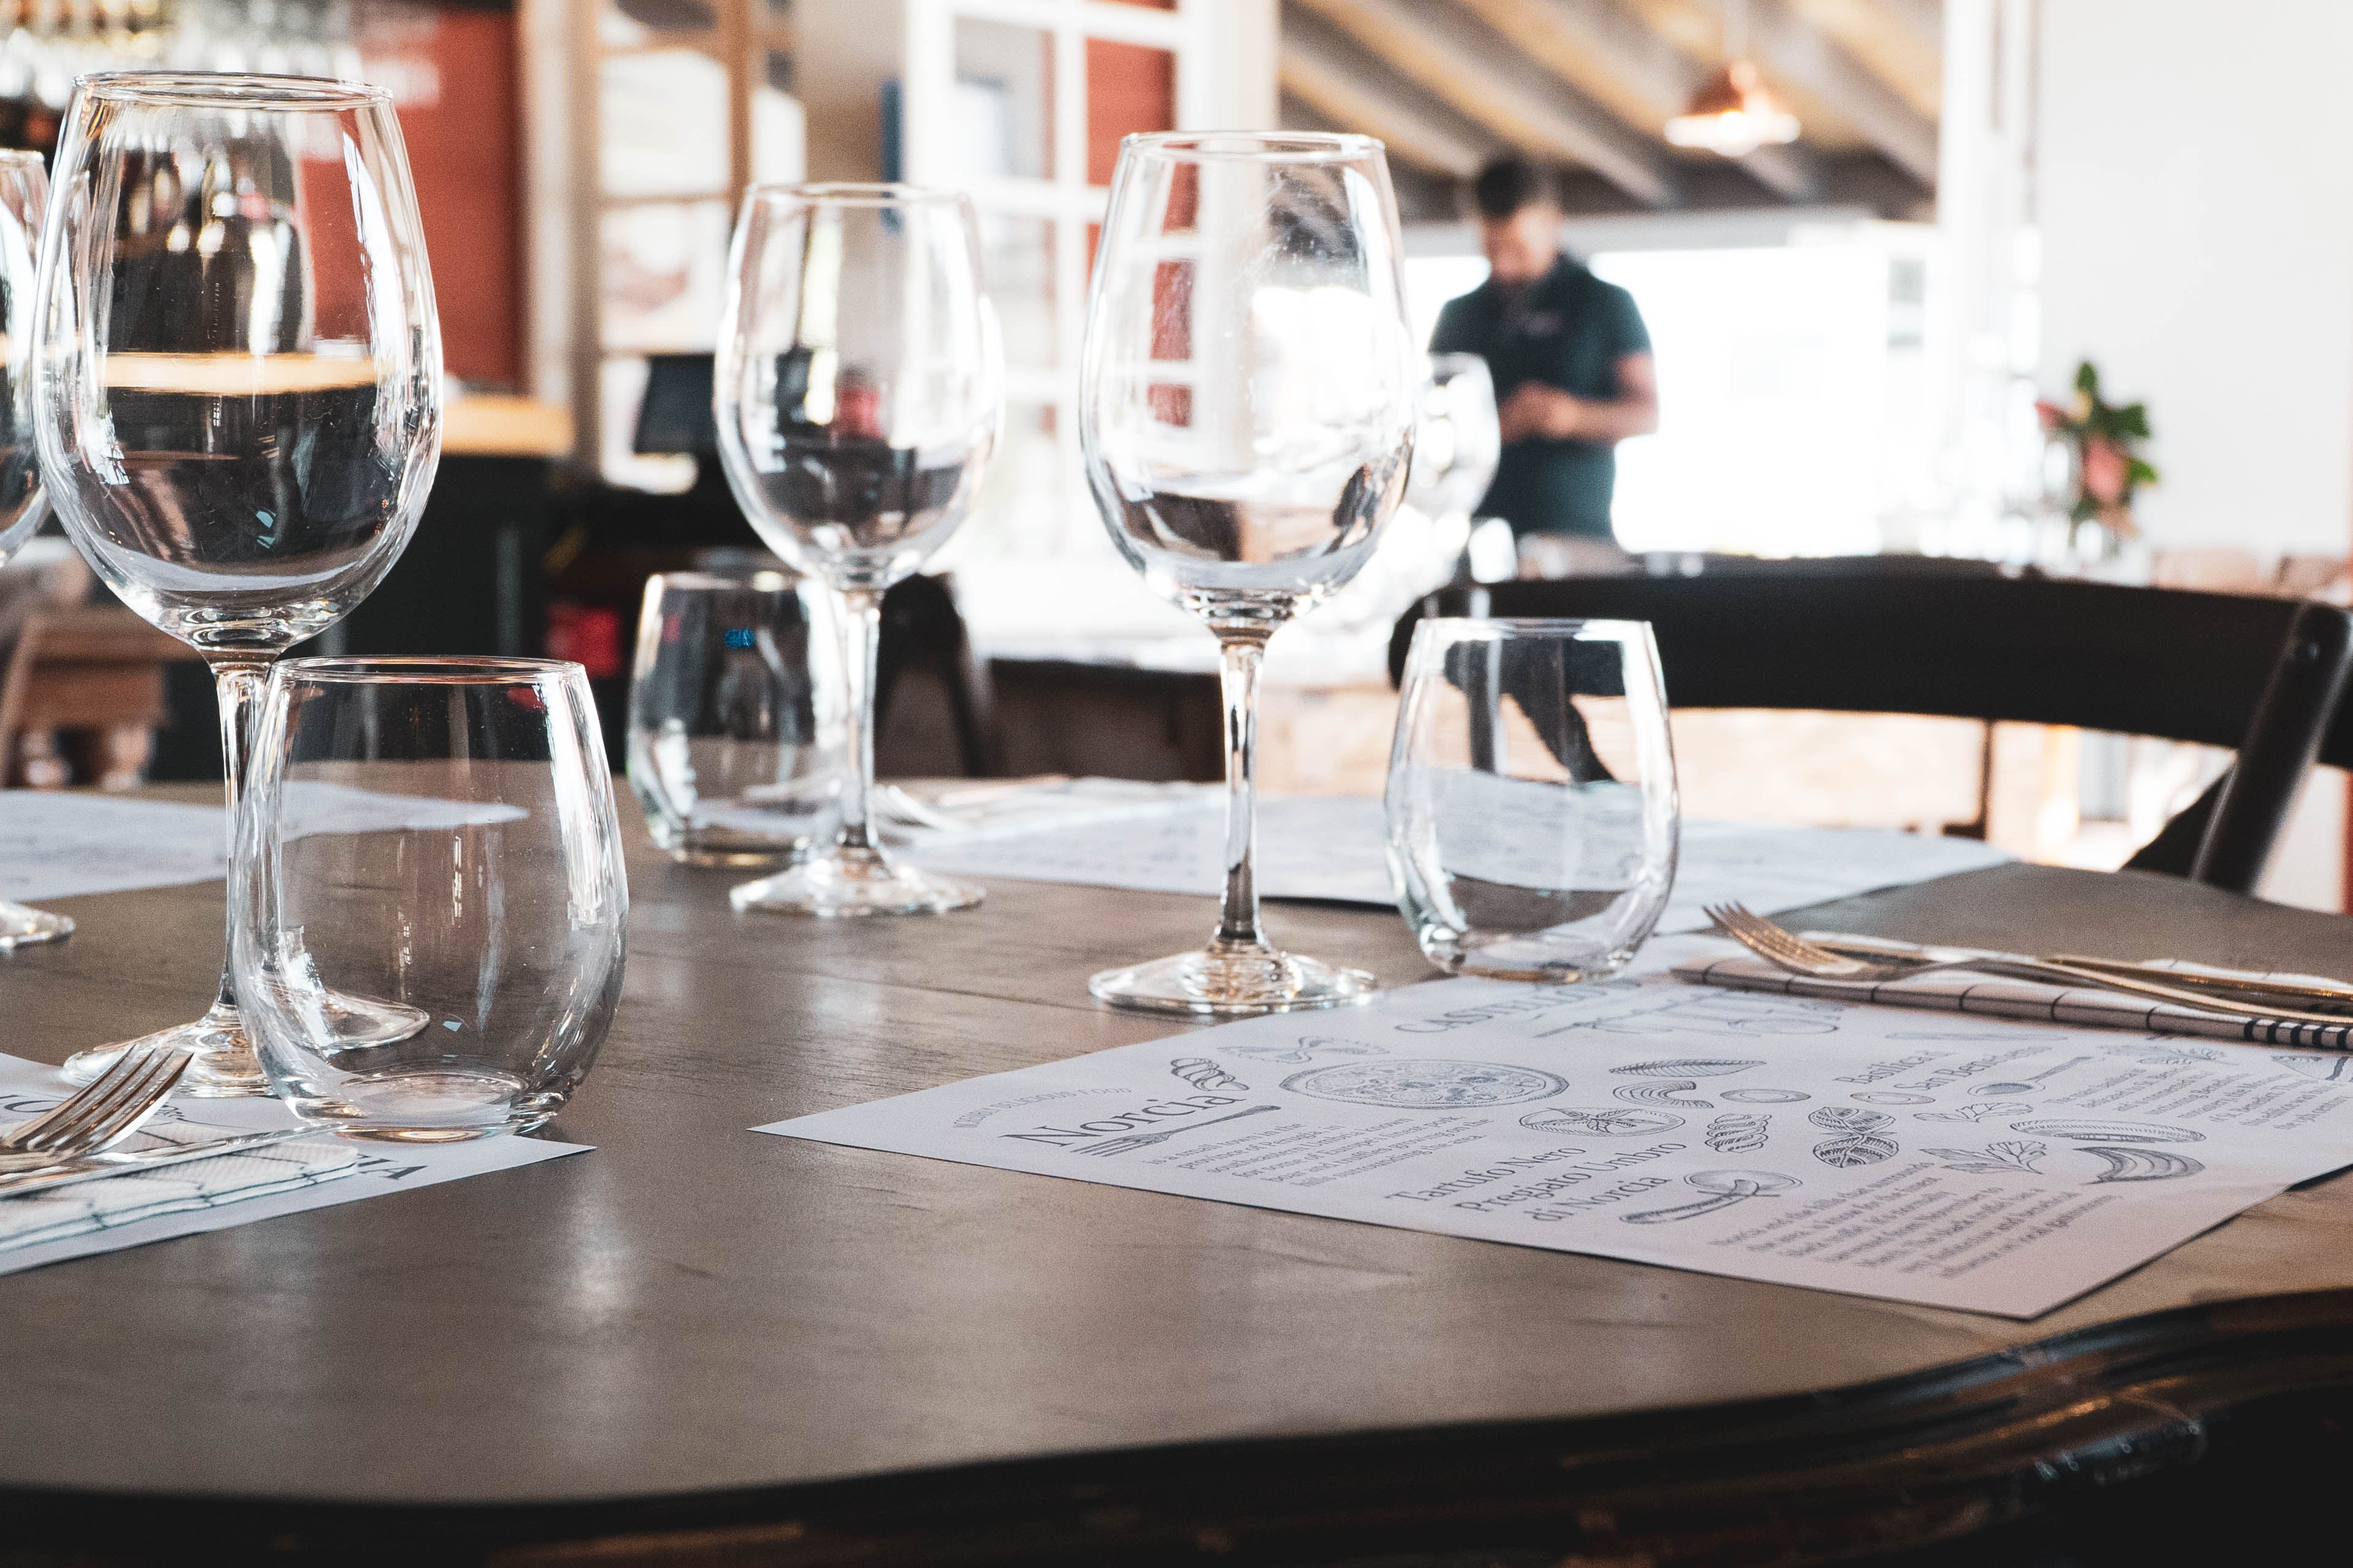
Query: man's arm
pixel 1547 412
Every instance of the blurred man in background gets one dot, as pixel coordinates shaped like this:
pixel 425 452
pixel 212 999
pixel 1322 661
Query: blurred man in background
pixel 1569 355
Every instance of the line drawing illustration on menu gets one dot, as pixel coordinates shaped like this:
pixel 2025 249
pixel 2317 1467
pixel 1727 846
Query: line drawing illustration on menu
pixel 2327 1069
pixel 1204 1075
pixel 1888 1097
pixel 1410 1085
pixel 1305 1050
pixel 2167 1052
pixel 1662 1091
pixel 1862 1141
pixel 1977 1111
pixel 2111 1132
pixel 1696 1067
pixel 1994 1159
pixel 1724 1014
pixel 1737 1132
pixel 2029 1085
pixel 1139 1140
pixel 1605 1122
pixel 1764 1096
pixel 1730 1187
pixel 2139 1165
pixel 2006 1039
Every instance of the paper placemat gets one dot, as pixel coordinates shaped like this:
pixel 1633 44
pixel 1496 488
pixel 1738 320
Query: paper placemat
pixel 1334 847
pixel 1975 1163
pixel 57 845
pixel 41 1227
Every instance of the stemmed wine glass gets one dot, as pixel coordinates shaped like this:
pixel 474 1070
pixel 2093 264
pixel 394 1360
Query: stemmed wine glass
pixel 859 394
pixel 238 379
pixel 1246 408
pixel 23 195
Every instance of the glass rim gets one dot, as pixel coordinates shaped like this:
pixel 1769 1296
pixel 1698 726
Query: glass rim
pixel 253 90
pixel 878 194
pixel 425 669
pixel 1540 625
pixel 704 582
pixel 1254 146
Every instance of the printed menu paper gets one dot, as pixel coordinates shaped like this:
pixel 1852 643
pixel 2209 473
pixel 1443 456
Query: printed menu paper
pixel 1975 1163
pixel 1333 849
pixel 28 1088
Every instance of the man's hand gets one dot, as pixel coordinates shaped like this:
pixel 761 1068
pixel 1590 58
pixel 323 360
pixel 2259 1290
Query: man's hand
pixel 1535 412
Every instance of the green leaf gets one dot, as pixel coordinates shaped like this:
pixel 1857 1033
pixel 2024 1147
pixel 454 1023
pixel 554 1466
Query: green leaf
pixel 2138 473
pixel 2087 379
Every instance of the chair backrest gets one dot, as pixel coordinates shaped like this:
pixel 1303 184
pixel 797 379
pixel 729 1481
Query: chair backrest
pixel 2261 675
pixel 923 629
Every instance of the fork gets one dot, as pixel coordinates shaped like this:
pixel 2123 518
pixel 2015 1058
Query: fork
pixel 98 1118
pixel 1786 948
pixel 1138 1139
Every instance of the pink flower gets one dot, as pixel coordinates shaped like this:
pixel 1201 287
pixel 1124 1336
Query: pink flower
pixel 2050 414
pixel 2104 471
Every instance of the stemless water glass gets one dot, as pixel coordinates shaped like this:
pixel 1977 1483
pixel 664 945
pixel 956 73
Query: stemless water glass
pixel 23 195
pixel 489 901
pixel 1532 811
pixel 859 394
pixel 237 378
pixel 1246 408
pixel 734 721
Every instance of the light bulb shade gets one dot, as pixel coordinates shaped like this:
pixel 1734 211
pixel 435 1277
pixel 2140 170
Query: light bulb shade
pixel 1733 114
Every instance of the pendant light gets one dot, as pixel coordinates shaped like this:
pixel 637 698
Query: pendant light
pixel 1733 114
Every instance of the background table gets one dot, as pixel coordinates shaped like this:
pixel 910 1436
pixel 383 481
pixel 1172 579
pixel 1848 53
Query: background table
pixel 705 1344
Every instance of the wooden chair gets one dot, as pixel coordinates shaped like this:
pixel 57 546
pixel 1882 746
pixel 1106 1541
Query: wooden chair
pixel 96 670
pixel 2259 674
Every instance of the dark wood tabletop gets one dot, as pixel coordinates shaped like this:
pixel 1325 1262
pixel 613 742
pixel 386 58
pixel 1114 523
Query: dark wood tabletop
pixel 702 1343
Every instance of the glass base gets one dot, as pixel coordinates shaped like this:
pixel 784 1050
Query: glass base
pixel 21 926
pixel 855 883
pixel 225 1067
pixel 1232 982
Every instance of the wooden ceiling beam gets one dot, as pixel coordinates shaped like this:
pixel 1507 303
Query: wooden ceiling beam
pixel 1786 45
pixel 1347 85
pixel 1600 48
pixel 1461 59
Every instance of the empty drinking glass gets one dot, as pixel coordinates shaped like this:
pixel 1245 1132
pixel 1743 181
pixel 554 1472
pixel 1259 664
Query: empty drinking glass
pixel 437 836
pixel 23 196
pixel 858 389
pixel 735 744
pixel 236 375
pixel 1246 405
pixel 1531 812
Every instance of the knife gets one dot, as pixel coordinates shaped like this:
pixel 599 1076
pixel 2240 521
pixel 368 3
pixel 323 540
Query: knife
pixel 90 1167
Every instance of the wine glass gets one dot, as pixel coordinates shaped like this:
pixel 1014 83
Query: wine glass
pixel 238 386
pixel 1246 409
pixel 859 394
pixel 23 195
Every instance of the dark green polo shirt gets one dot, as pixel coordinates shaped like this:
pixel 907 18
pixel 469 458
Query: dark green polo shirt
pixel 1568 329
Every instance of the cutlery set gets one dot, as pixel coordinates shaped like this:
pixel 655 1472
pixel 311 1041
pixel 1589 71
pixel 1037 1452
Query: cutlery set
pixel 77 1141
pixel 2231 993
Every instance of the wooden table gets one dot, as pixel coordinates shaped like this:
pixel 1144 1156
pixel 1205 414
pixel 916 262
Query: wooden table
pixel 706 1345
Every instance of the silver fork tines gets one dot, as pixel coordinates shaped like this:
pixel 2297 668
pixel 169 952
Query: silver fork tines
pixel 101 1115
pixel 1777 944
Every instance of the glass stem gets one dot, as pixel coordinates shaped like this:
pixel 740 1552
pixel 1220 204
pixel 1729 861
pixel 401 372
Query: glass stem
pixel 860 612
pixel 1239 656
pixel 238 683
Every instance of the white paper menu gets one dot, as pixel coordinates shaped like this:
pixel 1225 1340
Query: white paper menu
pixel 1975 1164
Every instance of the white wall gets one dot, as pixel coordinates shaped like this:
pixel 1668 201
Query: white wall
pixel 2196 207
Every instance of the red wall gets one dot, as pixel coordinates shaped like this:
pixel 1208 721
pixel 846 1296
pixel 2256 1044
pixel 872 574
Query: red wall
pixel 455 79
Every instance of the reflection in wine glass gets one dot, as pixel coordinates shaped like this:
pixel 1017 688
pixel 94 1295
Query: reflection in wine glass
pixel 859 394
pixel 1246 407
pixel 237 384
pixel 23 196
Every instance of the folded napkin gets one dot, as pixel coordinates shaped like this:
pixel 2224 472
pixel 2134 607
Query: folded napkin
pixel 1960 990
pixel 54 1213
